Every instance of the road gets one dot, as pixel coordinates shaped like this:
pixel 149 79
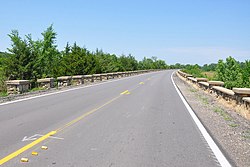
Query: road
pixel 138 121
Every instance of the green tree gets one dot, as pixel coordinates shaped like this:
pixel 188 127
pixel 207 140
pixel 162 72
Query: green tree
pixel 146 64
pixel 107 62
pixel 195 70
pixel 21 60
pixel 220 70
pixel 177 66
pixel 74 60
pixel 33 59
pixel 230 73
pixel 246 73
pixel 2 72
pixel 209 67
pixel 48 55
pixel 160 64
pixel 128 63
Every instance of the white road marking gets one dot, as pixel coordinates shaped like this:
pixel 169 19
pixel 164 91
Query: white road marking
pixel 217 152
pixel 36 136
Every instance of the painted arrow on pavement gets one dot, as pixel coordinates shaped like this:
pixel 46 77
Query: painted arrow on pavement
pixel 36 136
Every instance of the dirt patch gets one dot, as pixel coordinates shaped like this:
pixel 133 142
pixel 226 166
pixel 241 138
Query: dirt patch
pixel 229 129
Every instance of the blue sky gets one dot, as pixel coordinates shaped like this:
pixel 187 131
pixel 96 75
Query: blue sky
pixel 177 31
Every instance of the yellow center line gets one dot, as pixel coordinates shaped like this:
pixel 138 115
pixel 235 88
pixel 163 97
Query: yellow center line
pixel 126 91
pixel 85 115
pixel 28 146
pixel 21 150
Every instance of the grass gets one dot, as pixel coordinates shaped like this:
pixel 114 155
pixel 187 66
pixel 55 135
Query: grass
pixel 222 113
pixel 3 94
pixel 209 75
pixel 225 116
pixel 246 134
pixel 203 99
pixel 37 89
pixel 192 90
pixel 233 125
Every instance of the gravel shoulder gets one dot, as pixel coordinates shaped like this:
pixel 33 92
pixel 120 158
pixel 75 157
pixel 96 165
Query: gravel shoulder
pixel 230 131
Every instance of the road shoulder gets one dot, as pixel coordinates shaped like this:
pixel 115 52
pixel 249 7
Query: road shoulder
pixel 229 130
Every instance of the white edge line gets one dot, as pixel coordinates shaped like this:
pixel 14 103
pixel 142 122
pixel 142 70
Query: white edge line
pixel 71 89
pixel 217 152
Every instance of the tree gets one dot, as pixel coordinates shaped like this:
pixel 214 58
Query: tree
pixel 128 63
pixel 195 70
pixel 146 64
pixel 107 62
pixel 220 70
pixel 246 73
pixel 3 75
pixel 160 64
pixel 74 60
pixel 177 66
pixel 33 59
pixel 48 55
pixel 229 72
pixel 21 60
pixel 209 67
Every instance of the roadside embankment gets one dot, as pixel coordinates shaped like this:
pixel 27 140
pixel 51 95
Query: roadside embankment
pixel 237 98
pixel 217 108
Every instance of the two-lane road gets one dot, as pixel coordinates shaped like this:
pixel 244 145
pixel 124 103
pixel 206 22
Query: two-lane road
pixel 131 122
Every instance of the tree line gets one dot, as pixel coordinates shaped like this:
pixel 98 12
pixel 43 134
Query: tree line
pixel 30 59
pixel 233 73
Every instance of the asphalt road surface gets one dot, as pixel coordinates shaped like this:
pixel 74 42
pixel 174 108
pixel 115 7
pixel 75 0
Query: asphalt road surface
pixel 138 121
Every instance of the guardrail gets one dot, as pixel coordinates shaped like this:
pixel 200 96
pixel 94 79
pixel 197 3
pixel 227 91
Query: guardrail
pixel 21 86
pixel 241 96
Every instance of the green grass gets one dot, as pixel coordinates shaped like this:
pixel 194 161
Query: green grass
pixel 203 99
pixel 3 94
pixel 222 113
pixel 192 90
pixel 246 134
pixel 37 89
pixel 218 110
pixel 233 125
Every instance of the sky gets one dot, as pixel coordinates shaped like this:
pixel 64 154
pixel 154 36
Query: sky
pixel 177 31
